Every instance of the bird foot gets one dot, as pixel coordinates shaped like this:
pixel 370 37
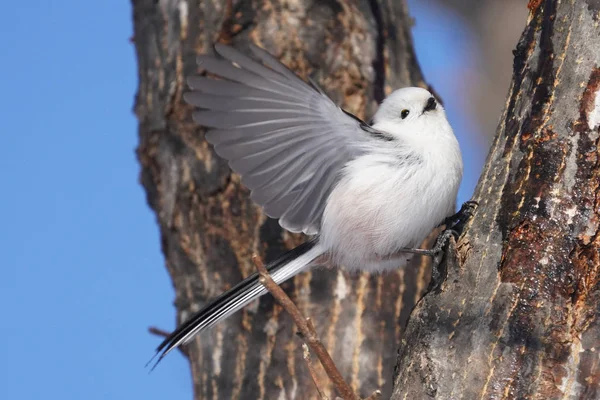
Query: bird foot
pixel 454 226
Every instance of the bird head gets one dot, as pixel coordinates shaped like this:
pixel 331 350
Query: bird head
pixel 413 111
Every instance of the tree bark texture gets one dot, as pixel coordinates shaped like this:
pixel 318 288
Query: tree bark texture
pixel 518 315
pixel 357 50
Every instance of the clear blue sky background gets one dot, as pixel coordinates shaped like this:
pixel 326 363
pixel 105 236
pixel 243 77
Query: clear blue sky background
pixel 82 272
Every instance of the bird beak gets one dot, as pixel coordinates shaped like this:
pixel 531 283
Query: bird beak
pixel 431 105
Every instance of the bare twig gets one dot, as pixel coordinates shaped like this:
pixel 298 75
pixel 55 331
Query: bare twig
pixel 311 370
pixel 309 335
pixel 375 396
pixel 158 332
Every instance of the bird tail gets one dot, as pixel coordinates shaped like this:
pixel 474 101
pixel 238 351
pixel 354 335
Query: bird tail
pixel 286 266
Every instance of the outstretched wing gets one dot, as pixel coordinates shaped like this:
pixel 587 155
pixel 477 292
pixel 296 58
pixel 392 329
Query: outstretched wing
pixel 286 139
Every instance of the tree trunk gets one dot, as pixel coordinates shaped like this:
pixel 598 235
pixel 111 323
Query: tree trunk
pixel 518 314
pixel 357 51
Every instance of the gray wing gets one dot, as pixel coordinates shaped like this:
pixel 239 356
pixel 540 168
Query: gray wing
pixel 286 139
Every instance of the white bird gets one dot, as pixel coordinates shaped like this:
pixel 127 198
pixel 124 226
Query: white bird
pixel 366 194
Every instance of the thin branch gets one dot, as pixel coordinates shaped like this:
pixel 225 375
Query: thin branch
pixel 375 396
pixel 309 335
pixel 311 370
pixel 158 332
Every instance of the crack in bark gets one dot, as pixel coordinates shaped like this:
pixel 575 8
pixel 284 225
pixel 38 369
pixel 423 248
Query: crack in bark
pixel 379 60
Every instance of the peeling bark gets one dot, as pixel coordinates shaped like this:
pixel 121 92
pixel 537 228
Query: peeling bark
pixel 518 314
pixel 357 50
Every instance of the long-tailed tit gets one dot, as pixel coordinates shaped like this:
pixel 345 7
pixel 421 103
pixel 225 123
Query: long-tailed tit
pixel 367 194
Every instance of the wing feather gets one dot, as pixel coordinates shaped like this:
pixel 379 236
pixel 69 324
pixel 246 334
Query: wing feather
pixel 275 65
pixel 225 103
pixel 287 140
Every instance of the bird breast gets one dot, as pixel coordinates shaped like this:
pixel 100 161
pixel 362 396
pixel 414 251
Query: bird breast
pixel 383 204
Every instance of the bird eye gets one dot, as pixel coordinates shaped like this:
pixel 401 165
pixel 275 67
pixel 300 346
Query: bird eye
pixel 404 114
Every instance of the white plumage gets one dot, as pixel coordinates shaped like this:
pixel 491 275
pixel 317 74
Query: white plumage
pixel 365 192
pixel 394 195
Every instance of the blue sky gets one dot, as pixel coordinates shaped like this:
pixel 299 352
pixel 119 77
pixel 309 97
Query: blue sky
pixel 83 273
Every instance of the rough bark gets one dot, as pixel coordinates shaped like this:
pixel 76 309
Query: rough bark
pixel 518 315
pixel 356 50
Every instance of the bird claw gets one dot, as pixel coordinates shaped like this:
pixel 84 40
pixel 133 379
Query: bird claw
pixel 454 225
pixel 462 216
pixel 439 270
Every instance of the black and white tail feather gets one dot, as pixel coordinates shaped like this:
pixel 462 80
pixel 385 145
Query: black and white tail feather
pixel 283 268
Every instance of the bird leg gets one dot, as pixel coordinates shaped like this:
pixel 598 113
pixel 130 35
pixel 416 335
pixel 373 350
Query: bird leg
pixel 440 242
pixel 454 225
